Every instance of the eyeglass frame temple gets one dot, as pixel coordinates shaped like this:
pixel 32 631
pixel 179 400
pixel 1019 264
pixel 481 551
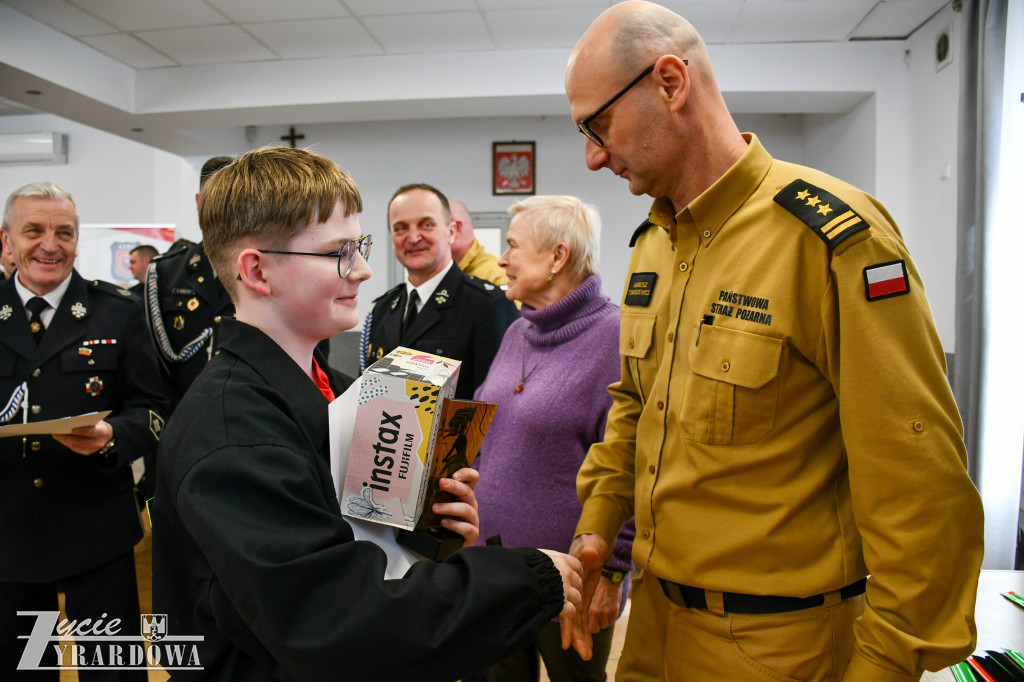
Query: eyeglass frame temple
pixel 583 125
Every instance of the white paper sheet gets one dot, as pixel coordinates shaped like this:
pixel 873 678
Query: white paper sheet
pixel 341 416
pixel 51 426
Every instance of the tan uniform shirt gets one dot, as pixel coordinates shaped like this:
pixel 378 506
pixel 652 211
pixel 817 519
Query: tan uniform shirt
pixel 784 428
pixel 482 265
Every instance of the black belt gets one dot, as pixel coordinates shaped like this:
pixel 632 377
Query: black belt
pixel 694 598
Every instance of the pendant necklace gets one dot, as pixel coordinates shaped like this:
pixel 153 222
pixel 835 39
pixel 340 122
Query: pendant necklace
pixel 524 375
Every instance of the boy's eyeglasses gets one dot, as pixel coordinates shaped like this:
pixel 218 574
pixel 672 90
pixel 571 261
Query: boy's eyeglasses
pixel 583 125
pixel 346 255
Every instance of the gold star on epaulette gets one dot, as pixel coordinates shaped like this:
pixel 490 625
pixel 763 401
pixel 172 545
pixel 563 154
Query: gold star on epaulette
pixel 813 205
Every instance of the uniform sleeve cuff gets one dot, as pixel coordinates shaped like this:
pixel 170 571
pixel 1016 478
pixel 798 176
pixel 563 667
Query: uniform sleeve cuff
pixel 600 517
pixel 552 595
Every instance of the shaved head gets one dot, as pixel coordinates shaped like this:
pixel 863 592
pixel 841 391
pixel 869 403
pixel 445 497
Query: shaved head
pixel 464 233
pixel 630 35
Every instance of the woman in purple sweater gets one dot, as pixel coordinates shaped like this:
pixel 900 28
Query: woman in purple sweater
pixel 550 380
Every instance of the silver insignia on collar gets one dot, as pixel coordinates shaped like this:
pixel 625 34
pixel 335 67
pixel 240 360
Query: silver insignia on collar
pixel 441 296
pixel 394 304
pixel 78 310
pixel 488 286
pixel 5 313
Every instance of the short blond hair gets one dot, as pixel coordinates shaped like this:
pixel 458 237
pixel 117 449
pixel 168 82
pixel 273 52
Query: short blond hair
pixel 556 219
pixel 266 197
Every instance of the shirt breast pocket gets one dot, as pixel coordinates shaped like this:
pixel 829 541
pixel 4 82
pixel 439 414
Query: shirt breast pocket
pixel 732 390
pixel 636 344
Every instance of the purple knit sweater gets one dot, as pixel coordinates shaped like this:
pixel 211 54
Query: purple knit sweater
pixel 565 356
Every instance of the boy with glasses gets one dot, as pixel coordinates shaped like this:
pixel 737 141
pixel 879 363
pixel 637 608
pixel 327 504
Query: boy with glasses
pixel 250 549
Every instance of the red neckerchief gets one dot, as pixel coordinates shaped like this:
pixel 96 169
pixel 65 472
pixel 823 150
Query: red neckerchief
pixel 320 378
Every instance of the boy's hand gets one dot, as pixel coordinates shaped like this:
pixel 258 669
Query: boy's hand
pixel 86 440
pixel 461 517
pixel 572 585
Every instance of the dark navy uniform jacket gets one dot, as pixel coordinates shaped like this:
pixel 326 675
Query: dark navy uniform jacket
pixel 184 303
pixel 251 552
pixel 63 513
pixel 465 319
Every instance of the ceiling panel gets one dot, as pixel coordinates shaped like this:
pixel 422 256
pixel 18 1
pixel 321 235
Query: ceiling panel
pixel 143 15
pixel 713 18
pixel 63 16
pixel 595 6
pixel 797 21
pixel 538 28
pixel 322 38
pixel 207 45
pixel 128 49
pixel 247 11
pixel 385 7
pixel 897 19
pixel 419 33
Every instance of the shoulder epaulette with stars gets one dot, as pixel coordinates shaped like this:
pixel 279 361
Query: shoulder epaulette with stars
pixel 827 215
pixel 639 231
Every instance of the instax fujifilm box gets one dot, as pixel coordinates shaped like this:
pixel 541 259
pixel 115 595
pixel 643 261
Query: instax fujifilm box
pixel 396 425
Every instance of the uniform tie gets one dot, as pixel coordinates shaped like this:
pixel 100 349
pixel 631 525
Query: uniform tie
pixel 410 311
pixel 35 306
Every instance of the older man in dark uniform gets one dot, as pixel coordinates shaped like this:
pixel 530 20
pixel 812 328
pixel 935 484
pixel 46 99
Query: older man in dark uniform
pixel 438 309
pixel 69 347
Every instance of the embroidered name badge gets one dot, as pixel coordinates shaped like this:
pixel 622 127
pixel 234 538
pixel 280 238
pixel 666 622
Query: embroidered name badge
pixel 640 289
pixel 886 280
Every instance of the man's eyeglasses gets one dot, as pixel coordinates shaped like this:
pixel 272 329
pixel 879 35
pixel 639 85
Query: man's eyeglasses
pixel 583 125
pixel 346 255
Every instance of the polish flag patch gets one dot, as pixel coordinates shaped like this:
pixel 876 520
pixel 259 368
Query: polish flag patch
pixel 885 280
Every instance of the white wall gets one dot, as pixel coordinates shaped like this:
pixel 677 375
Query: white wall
pixel 933 101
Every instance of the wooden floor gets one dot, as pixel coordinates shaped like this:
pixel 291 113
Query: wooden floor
pixel 144 571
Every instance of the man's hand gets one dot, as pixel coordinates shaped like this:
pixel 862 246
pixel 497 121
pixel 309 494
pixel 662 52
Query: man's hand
pixel 604 606
pixel 592 551
pixel 86 440
pixel 463 516
pixel 572 583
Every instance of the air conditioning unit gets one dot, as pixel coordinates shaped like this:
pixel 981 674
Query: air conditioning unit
pixel 34 148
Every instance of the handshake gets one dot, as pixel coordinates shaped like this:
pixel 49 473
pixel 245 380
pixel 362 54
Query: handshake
pixel 581 615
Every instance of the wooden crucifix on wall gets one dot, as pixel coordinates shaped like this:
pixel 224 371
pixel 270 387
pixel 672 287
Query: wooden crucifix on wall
pixel 291 136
